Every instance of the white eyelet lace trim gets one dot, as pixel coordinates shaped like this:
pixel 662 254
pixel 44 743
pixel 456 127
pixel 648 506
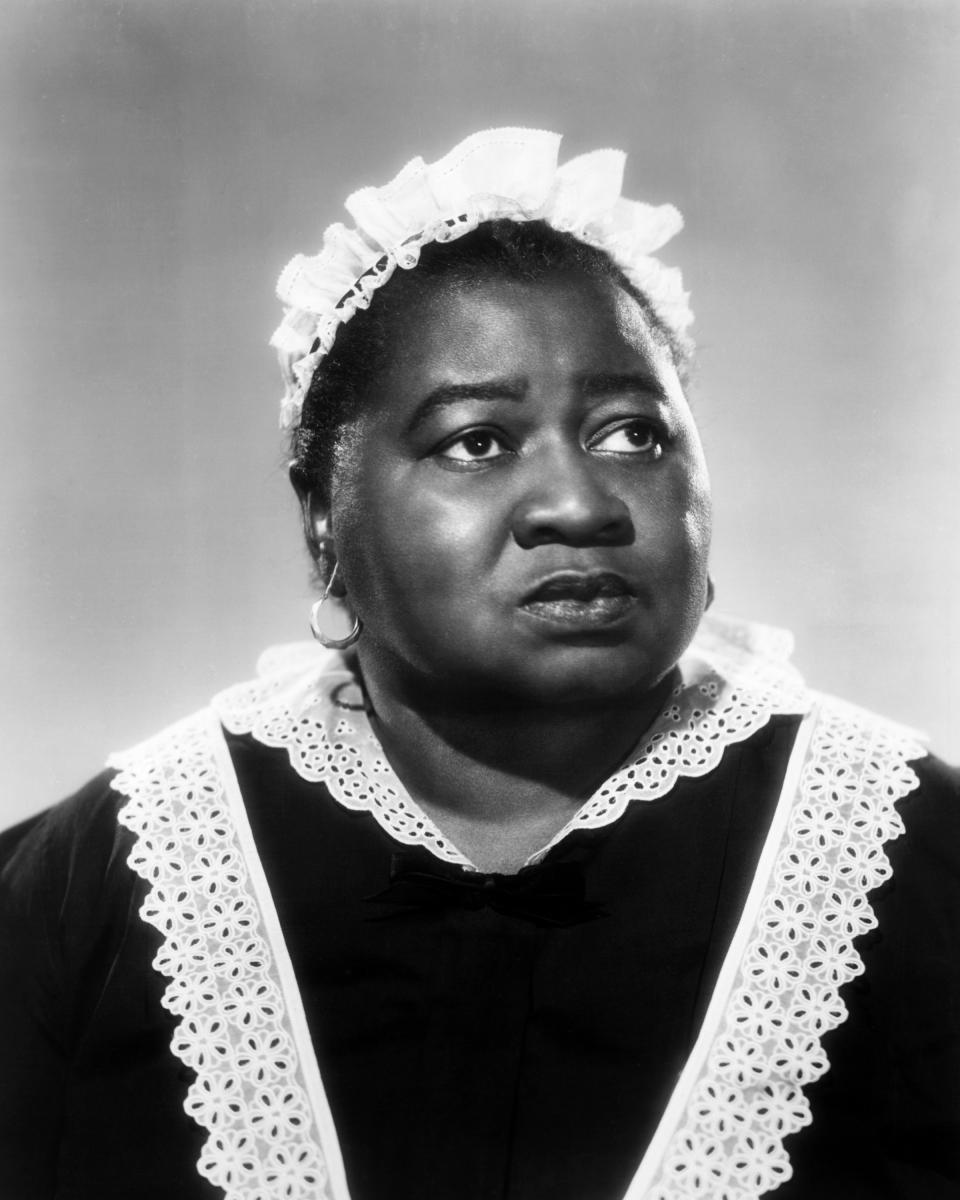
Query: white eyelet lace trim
pixel 242 1028
pixel 741 1092
pixel 734 677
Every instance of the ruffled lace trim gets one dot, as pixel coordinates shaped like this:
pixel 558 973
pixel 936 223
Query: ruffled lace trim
pixel 496 173
pixel 733 679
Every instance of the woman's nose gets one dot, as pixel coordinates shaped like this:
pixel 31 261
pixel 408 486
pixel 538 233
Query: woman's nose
pixel 569 501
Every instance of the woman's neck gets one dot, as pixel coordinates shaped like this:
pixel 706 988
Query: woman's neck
pixel 500 779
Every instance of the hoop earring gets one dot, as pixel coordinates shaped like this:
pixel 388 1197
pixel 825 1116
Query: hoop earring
pixel 332 643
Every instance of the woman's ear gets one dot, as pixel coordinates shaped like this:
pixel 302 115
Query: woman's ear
pixel 315 514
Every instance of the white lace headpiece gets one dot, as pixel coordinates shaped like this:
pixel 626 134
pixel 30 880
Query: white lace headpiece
pixel 494 174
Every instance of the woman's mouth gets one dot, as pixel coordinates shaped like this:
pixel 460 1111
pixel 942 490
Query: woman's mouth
pixel 580 599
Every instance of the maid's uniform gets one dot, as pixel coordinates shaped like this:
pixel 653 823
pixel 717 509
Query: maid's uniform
pixel 242 962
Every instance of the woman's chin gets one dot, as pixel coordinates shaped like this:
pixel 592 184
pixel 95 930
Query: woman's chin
pixel 601 651
pixel 585 671
pixel 603 680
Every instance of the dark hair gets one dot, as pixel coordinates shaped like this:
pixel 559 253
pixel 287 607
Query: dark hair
pixel 502 249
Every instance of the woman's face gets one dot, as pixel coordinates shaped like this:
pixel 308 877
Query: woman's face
pixel 522 509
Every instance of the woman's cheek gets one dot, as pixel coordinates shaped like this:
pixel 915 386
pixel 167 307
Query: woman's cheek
pixel 413 549
pixel 692 506
pixel 699 525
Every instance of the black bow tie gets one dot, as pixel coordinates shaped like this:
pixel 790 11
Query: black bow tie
pixel 551 894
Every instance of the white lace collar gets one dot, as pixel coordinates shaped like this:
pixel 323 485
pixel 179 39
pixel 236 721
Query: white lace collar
pixel 734 677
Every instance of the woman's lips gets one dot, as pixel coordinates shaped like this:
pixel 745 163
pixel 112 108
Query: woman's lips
pixel 580 599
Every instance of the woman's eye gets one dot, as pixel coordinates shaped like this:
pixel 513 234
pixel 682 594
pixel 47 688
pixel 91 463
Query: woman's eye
pixel 479 445
pixel 632 437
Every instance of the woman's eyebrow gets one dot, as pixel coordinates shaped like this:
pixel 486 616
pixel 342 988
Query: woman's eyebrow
pixel 452 393
pixel 622 383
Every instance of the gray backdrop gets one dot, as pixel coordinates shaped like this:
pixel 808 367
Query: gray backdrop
pixel 163 160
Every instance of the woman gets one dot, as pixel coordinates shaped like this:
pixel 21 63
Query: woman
pixel 542 886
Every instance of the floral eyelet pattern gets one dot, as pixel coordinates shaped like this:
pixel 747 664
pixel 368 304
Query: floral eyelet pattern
pixel 249 1094
pixel 785 995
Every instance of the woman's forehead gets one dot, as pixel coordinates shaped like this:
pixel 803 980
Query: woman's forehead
pixel 564 324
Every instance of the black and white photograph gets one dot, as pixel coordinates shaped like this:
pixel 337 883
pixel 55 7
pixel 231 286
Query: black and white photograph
pixel 480 515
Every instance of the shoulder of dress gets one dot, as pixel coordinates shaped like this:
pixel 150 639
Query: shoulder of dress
pixel 844 722
pixel 296 665
pixel 170 735
pixel 86 817
pixel 72 810
pixel 938 775
pixel 931 814
pixel 63 882
pixel 757 657
pixel 748 660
